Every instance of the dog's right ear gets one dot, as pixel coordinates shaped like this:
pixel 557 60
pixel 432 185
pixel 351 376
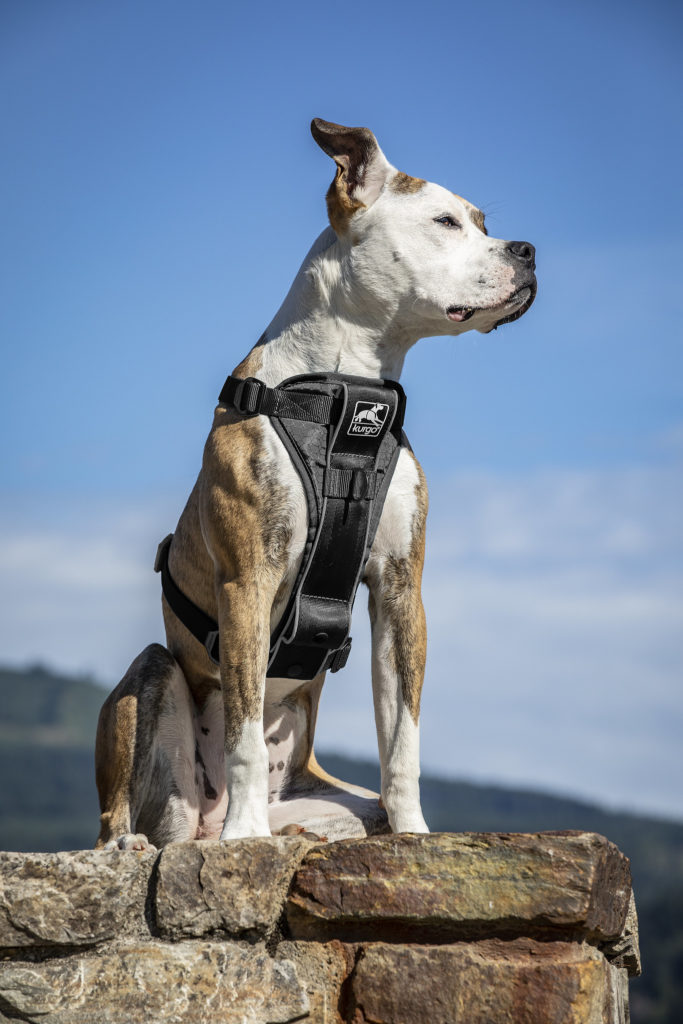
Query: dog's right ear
pixel 362 169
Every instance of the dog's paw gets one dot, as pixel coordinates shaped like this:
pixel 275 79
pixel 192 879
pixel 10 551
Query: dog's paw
pixel 240 832
pixel 414 826
pixel 408 821
pixel 129 841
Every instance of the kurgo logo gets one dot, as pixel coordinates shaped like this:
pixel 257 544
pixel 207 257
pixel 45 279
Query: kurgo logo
pixel 368 419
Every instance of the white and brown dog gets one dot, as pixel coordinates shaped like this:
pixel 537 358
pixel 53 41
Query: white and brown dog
pixel 183 747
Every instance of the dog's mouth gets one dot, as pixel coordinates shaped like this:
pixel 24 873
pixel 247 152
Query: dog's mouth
pixel 526 296
pixel 522 299
pixel 460 313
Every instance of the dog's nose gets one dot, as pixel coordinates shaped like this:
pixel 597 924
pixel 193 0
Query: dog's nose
pixel 524 251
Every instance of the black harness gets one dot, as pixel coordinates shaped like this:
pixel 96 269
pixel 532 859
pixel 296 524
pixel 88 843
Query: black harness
pixel 343 435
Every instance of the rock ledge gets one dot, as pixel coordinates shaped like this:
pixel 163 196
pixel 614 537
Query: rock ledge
pixel 471 928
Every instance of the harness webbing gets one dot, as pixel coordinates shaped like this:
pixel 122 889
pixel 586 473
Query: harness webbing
pixel 250 396
pixel 201 625
pixel 343 435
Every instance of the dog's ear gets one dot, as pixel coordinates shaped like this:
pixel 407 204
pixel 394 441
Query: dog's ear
pixel 362 169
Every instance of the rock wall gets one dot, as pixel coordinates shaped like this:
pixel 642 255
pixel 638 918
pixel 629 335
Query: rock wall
pixel 475 928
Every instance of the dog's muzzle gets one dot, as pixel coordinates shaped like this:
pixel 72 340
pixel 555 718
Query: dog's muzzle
pixel 523 257
pixel 532 288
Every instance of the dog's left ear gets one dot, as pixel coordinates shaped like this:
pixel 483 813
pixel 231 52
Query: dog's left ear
pixel 362 169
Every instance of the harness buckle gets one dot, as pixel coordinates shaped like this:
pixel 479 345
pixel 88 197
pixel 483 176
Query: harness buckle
pixel 249 395
pixel 340 657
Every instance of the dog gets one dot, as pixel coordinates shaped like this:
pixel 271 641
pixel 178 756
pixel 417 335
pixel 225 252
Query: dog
pixel 182 748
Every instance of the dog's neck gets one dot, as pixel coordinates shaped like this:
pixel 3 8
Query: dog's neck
pixel 324 325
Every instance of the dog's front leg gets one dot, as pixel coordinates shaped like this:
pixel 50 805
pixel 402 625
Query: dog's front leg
pixel 243 608
pixel 398 662
pixel 399 647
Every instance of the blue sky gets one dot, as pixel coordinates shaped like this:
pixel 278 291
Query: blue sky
pixel 159 190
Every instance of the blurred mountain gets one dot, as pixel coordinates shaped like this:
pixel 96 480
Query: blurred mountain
pixel 48 802
pixel 37 706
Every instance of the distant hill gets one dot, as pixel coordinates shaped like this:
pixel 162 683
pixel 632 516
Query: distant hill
pixel 48 802
pixel 48 799
pixel 38 706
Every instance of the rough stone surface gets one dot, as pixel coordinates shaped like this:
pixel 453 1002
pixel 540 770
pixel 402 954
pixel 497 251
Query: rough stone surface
pixel 236 888
pixel 470 928
pixel 191 983
pixel 625 951
pixel 460 886
pixel 489 982
pixel 323 968
pixel 72 899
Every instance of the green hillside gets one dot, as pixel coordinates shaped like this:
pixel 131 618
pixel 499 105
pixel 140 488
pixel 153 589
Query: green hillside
pixel 48 799
pixel 40 707
pixel 48 802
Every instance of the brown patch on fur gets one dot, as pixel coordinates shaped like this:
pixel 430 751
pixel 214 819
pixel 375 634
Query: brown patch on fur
pixel 400 594
pixel 318 772
pixel 115 743
pixel 251 364
pixel 404 184
pixel 310 693
pixel 477 218
pixel 475 214
pixel 229 556
pixel 237 506
pixel 128 772
pixel 340 204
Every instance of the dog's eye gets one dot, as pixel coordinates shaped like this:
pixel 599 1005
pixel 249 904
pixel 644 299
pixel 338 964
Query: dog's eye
pixel 447 220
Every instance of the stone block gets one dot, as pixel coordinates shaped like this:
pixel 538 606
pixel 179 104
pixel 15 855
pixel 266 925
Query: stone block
pixel 72 899
pixel 189 983
pixel 323 968
pixel 625 951
pixel 443 887
pixel 236 888
pixel 519 981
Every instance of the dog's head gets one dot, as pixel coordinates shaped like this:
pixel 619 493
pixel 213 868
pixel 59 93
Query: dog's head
pixel 416 245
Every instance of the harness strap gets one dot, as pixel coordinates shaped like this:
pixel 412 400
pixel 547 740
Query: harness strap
pixel 251 397
pixel 343 435
pixel 354 484
pixel 201 625
pixel 204 628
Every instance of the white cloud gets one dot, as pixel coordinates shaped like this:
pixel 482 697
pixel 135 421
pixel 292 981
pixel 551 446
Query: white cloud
pixel 555 612
pixel 78 591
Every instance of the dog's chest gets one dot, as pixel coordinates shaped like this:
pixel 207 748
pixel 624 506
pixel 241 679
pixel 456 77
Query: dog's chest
pixel 395 529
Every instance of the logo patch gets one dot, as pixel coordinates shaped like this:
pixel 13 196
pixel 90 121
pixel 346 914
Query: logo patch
pixel 368 419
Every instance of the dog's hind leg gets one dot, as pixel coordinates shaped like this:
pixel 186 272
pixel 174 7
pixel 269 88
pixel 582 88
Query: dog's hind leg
pixel 145 757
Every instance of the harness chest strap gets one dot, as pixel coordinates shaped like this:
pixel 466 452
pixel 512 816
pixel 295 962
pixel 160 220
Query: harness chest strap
pixel 343 435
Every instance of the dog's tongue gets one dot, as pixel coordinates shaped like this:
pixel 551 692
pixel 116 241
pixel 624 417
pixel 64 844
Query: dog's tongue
pixel 457 314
